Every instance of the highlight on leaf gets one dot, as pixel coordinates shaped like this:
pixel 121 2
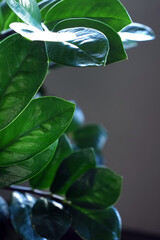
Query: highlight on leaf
pixel 34 34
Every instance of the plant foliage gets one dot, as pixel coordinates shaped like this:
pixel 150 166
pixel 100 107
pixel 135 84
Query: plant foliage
pixel 44 140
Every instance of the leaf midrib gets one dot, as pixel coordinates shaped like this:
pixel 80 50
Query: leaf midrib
pixel 27 133
pixel 14 75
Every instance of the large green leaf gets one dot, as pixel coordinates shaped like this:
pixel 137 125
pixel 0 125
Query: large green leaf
pixel 89 48
pixel 111 12
pixel 92 135
pixel 20 210
pixel 27 10
pixel 49 219
pixel 39 125
pixel 44 179
pixel 26 169
pixel 116 51
pixel 71 169
pixel 23 68
pixel 96 189
pixel 95 225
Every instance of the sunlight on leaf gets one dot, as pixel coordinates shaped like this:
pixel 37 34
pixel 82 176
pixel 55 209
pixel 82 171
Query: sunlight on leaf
pixel 34 34
pixel 137 32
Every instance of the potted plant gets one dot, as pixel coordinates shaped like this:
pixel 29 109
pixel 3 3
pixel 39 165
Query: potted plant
pixel 44 140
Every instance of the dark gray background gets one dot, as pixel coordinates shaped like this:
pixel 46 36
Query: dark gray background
pixel 125 98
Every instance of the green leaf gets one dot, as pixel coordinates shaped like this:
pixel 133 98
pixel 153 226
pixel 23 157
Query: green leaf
pixel 92 135
pixel 111 12
pixel 20 210
pixel 129 44
pixel 12 18
pixel 26 169
pixel 89 48
pixel 44 179
pixel 28 11
pixel 137 32
pixel 49 219
pixel 71 169
pixel 46 5
pixel 95 225
pixel 5 11
pixel 116 51
pixel 98 188
pixel 4 210
pixel 77 121
pixel 39 125
pixel 23 68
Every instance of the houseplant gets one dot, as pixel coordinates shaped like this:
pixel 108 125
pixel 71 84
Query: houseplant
pixel 38 141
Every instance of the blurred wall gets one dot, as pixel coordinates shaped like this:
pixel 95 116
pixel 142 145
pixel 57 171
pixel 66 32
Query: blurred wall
pixel 125 98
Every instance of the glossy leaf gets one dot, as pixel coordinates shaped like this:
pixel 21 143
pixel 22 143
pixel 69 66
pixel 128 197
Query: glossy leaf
pixel 23 68
pixel 77 121
pixel 50 220
pixel 4 210
pixel 129 44
pixel 111 12
pixel 89 48
pixel 137 32
pixel 26 169
pixel 95 225
pixel 91 136
pixel 39 125
pixel 20 210
pixel 71 169
pixel 28 11
pixel 44 179
pixel 116 51
pixel 98 188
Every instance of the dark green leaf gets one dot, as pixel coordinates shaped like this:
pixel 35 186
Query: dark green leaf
pixel 20 210
pixel 89 48
pixel 116 51
pixel 38 126
pixel 23 68
pixel 46 5
pixel 71 169
pixel 77 121
pixel 28 11
pixel 5 11
pixel 49 219
pixel 98 188
pixel 44 179
pixel 96 225
pixel 27 169
pixel 111 12
pixel 12 18
pixel 91 136
pixel 4 210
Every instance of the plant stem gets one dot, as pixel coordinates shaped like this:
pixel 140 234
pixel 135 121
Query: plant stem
pixel 23 189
